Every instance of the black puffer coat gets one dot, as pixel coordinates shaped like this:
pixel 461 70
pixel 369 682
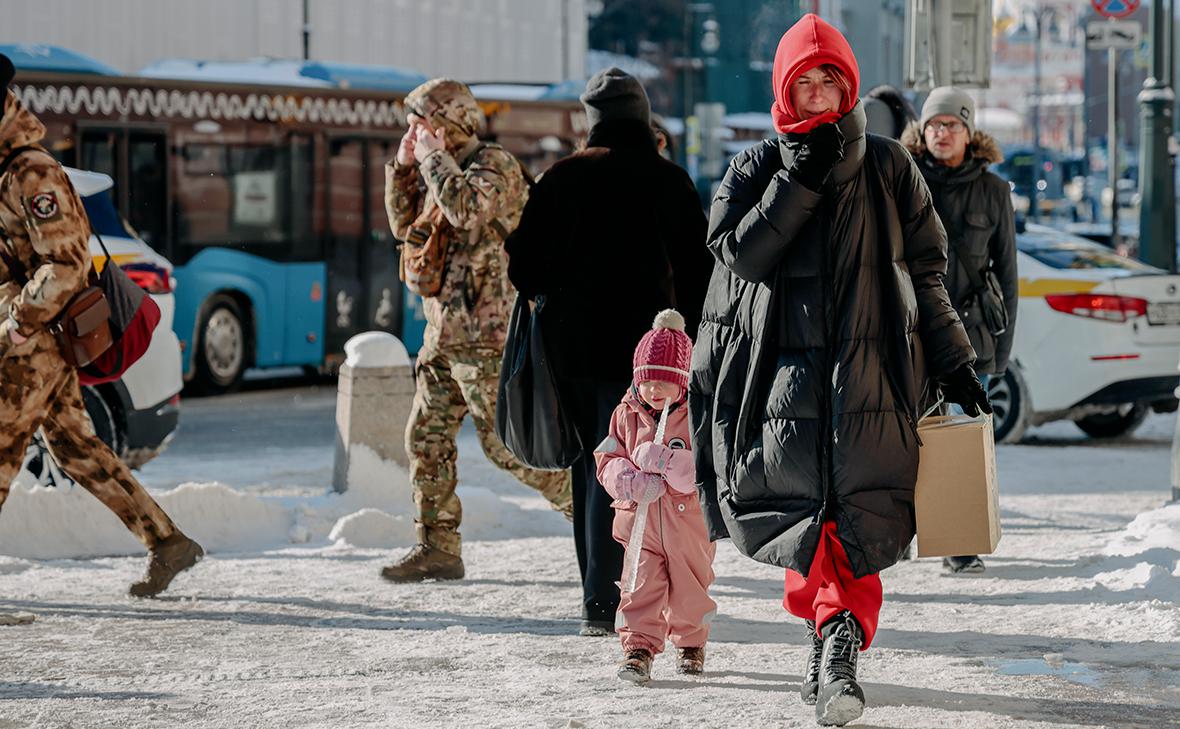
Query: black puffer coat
pixel 824 315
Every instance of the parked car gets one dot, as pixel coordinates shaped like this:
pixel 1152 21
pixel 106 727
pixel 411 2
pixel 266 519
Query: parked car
pixel 1097 339
pixel 138 414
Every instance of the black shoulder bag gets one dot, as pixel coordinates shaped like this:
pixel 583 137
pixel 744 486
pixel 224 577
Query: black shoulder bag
pixel 985 287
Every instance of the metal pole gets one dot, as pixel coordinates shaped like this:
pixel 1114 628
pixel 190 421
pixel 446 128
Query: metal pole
pixel 1112 142
pixel 1157 212
pixel 943 58
pixel 1038 165
pixel 565 39
pixel 306 30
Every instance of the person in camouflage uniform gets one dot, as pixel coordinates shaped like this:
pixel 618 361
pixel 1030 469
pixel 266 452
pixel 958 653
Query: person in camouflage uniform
pixel 45 238
pixel 476 192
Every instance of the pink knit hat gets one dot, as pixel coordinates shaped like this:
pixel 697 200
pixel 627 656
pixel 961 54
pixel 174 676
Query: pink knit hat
pixel 665 352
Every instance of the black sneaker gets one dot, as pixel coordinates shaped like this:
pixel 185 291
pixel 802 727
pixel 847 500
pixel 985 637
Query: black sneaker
pixel 840 698
pixel 969 565
pixel 810 686
pixel 596 628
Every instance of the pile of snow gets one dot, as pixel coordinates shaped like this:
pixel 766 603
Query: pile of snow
pixel 1145 557
pixel 377 511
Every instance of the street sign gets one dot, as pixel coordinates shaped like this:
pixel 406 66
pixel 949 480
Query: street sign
pixel 1115 8
pixel 1117 34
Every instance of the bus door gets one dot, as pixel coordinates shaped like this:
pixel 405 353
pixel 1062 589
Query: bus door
pixel 383 288
pixel 137 159
pixel 346 299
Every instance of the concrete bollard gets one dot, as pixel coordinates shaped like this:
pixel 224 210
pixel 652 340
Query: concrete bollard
pixel 373 399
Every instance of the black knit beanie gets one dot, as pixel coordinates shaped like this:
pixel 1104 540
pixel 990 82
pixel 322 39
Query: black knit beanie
pixel 614 94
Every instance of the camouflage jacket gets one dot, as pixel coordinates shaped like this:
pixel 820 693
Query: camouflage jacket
pixel 44 225
pixel 481 197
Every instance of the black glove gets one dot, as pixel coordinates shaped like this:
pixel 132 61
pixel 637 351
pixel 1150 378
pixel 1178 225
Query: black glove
pixel 963 388
pixel 820 151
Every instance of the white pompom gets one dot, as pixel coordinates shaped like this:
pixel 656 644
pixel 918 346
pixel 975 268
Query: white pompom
pixel 669 319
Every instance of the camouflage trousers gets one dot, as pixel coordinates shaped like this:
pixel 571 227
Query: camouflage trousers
pixel 449 386
pixel 38 390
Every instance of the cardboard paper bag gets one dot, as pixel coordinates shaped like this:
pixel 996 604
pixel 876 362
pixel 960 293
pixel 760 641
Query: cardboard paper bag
pixel 957 501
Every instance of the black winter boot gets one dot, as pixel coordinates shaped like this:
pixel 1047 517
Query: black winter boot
pixel 810 686
pixel 840 697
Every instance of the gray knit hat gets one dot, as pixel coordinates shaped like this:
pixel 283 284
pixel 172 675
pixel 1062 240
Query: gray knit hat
pixel 614 94
pixel 951 101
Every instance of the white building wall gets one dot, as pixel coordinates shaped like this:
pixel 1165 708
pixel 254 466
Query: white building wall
pixel 475 40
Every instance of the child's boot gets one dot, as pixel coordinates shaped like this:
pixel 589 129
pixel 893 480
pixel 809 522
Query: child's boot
pixel 636 667
pixel 810 686
pixel 840 698
pixel 690 661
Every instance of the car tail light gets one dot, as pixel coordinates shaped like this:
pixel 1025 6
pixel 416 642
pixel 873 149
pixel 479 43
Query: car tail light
pixel 1098 306
pixel 149 277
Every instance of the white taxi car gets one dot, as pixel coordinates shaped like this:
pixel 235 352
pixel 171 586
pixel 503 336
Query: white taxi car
pixel 138 414
pixel 1097 339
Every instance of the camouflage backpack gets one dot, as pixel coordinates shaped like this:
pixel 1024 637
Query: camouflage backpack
pixel 424 251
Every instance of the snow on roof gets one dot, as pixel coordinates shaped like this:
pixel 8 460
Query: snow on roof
pixel 509 92
pixel 42 57
pixel 601 60
pixel 89 183
pixel 286 72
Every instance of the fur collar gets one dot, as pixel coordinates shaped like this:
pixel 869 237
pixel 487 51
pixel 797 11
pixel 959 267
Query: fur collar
pixel 983 146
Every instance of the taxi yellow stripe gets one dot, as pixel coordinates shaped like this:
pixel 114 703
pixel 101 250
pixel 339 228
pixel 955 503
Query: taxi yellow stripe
pixel 120 258
pixel 1030 288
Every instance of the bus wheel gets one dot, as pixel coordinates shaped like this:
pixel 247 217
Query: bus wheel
pixel 220 357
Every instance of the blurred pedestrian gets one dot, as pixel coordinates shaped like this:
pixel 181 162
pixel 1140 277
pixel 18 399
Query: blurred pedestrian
pixel 44 262
pixel 665 144
pixel 642 467
pixel 887 111
pixel 825 321
pixel 975 207
pixel 612 218
pixel 452 200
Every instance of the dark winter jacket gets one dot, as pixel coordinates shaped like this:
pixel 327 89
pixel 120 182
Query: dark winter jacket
pixel 976 209
pixel 825 314
pixel 612 235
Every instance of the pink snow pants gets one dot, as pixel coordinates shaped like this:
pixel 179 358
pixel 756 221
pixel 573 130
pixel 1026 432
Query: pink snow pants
pixel 671 598
pixel 830 588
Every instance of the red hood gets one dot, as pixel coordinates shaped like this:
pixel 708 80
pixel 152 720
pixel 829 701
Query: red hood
pixel 809 43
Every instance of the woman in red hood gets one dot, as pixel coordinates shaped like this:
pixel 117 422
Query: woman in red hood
pixel 825 330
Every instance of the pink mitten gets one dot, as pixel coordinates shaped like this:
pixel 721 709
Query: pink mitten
pixel 652 458
pixel 647 487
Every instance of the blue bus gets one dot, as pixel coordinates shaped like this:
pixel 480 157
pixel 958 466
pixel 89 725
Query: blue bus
pixel 263 182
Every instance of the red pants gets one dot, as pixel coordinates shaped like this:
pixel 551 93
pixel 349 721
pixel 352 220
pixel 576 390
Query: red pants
pixel 830 588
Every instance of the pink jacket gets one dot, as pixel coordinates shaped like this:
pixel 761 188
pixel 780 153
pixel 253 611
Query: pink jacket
pixel 633 423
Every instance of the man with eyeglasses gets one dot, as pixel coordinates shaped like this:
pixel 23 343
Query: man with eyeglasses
pixel 975 207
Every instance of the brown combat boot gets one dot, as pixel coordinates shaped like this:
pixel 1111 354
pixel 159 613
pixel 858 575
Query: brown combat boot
pixel 636 666
pixel 425 562
pixel 690 661
pixel 168 559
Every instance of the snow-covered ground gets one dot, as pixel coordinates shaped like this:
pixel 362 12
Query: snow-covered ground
pixel 1075 623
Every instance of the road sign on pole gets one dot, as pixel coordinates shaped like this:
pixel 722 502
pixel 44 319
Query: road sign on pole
pixel 1115 8
pixel 1104 34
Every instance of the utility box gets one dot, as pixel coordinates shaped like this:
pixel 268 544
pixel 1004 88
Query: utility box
pixel 373 399
pixel 948 43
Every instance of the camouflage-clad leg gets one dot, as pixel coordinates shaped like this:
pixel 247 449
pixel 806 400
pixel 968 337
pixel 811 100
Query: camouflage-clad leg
pixel 91 464
pixel 435 419
pixel 478 376
pixel 24 394
pixel 448 387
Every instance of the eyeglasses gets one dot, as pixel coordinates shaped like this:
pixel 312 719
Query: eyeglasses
pixel 954 127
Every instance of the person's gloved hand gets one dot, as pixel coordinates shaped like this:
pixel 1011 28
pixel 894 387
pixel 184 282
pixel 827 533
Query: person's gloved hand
pixel 820 151
pixel 652 458
pixel 643 488
pixel 963 388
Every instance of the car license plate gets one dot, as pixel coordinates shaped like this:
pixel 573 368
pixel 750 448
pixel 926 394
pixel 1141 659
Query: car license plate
pixel 1163 313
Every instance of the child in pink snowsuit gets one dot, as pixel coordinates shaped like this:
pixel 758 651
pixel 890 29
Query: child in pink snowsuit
pixel 671 596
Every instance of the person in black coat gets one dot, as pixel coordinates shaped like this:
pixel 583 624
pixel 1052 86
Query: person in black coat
pixel 611 235
pixel 825 320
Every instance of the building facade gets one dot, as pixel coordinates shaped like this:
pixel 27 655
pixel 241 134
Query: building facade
pixel 519 41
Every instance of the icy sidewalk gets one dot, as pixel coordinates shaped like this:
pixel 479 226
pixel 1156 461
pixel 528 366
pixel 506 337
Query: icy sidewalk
pixel 1074 623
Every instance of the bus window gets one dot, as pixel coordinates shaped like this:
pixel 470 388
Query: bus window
pixel 346 304
pixel 306 203
pixel 385 291
pixel 235 196
pixel 100 153
pixel 147 207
